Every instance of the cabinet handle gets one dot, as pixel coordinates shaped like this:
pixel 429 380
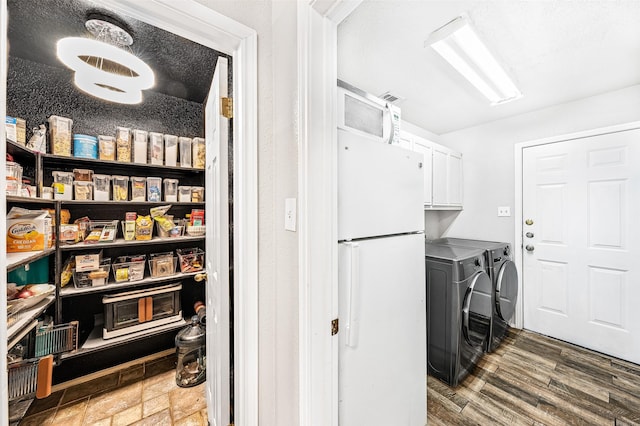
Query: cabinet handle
pixel 141 310
pixel 148 308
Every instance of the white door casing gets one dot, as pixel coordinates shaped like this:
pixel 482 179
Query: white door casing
pixel 581 282
pixel 217 249
pixel 203 25
pixel 317 193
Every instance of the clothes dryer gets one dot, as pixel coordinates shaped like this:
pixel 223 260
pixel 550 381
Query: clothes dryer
pixel 504 277
pixel 458 310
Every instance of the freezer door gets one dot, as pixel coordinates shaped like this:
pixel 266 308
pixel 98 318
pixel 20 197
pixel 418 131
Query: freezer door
pixel 382 337
pixel 380 188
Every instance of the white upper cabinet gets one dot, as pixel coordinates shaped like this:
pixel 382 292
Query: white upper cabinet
pixel 442 172
pixel 425 148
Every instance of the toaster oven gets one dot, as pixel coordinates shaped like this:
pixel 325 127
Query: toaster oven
pixel 138 310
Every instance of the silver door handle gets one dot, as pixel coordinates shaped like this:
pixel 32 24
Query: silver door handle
pixel 529 234
pixel 530 248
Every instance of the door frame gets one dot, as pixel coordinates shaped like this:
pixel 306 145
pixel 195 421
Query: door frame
pixel 518 155
pixel 203 25
pixel 318 22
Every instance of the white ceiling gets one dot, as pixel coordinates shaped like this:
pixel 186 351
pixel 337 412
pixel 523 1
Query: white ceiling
pixel 557 52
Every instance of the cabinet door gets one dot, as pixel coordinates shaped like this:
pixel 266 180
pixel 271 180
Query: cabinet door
pixel 454 178
pixel 440 156
pixel 425 148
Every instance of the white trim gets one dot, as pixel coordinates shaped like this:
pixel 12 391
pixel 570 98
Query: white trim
pixel 517 238
pixel 317 192
pixel 203 25
pixel 4 63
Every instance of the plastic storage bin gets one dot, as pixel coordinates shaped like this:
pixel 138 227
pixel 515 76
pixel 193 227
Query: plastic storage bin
pixel 154 189
pixel 83 191
pixel 138 188
pixel 190 259
pixel 123 144
pixel 106 147
pixel 14 178
pixel 129 268
pixel 162 264
pixel 170 150
pixel 140 146
pixel 60 135
pixel 198 155
pixel 85 146
pixel 101 187
pixel 197 194
pixel 184 194
pixel 156 148
pixel 91 278
pixel 170 190
pixel 185 151
pixel 62 185
pixel 120 188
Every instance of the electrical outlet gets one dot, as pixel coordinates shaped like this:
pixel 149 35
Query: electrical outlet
pixel 504 211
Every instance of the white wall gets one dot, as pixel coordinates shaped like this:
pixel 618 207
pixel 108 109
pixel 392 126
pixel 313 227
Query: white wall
pixel 275 24
pixel 489 155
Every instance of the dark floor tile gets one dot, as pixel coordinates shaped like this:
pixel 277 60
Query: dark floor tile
pixel 100 384
pixel 160 366
pixel 39 405
pixel 132 374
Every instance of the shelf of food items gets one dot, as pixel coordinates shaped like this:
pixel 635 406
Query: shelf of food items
pixel 57 143
pixel 92 272
pixel 127 146
pixel 85 185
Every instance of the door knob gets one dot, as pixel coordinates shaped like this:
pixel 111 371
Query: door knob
pixel 529 222
pixel 529 234
pixel 530 248
pixel 200 277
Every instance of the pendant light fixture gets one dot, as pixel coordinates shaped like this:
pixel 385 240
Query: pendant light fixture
pixel 105 67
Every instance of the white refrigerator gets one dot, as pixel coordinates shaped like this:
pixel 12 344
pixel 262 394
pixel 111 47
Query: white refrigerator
pixel 381 266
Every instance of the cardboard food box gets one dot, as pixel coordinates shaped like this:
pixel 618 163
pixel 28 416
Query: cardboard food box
pixel 88 261
pixel 28 230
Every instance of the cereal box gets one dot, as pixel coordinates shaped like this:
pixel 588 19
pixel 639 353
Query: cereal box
pixel 28 230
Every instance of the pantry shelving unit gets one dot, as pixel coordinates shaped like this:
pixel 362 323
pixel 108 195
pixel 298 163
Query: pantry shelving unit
pixel 84 305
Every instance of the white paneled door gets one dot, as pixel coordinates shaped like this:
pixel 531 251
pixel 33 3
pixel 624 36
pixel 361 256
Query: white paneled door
pixel 581 242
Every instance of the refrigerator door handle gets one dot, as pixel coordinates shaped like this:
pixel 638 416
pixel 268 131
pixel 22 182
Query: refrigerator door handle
pixel 354 290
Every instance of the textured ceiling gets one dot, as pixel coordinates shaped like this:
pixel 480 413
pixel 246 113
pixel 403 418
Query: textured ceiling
pixel 557 52
pixel 182 68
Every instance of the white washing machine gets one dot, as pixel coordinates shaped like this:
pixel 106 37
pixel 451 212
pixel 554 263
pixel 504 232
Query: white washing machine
pixel 504 277
pixel 459 310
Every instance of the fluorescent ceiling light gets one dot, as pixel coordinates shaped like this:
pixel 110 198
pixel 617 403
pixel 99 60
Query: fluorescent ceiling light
pixel 458 44
pixel 105 69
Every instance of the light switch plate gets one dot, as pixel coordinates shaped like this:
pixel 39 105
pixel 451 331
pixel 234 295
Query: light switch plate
pixel 504 211
pixel 290 214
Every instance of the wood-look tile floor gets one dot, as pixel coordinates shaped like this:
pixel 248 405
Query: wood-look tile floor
pixel 535 380
pixel 145 394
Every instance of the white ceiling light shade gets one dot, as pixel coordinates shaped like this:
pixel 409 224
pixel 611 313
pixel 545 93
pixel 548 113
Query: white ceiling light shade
pixel 458 43
pixel 87 57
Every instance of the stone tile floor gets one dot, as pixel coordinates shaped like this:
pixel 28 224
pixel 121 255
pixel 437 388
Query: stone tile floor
pixel 144 394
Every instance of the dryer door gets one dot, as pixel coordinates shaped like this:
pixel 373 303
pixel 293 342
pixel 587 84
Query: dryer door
pixel 476 311
pixel 507 290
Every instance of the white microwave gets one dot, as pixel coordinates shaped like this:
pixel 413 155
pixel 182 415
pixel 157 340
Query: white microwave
pixel 367 115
